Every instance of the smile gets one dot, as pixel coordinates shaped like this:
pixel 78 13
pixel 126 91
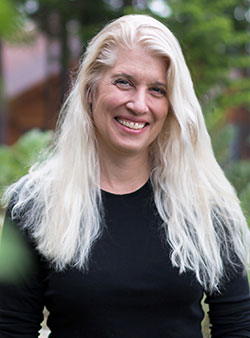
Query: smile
pixel 130 124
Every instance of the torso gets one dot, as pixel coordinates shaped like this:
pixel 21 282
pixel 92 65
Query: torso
pixel 131 289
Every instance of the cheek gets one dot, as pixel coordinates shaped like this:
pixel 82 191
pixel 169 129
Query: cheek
pixel 116 99
pixel 161 117
pixel 161 113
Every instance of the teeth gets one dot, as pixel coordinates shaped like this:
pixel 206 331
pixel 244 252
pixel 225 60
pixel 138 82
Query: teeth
pixel 131 125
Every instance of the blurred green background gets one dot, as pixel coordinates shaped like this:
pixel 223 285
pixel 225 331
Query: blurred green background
pixel 214 36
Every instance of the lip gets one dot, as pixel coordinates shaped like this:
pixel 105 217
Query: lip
pixel 128 130
pixel 131 119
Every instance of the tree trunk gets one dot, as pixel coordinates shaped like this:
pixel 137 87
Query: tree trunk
pixel 127 3
pixel 65 58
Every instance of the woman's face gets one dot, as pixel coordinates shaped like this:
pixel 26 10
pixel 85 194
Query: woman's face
pixel 130 103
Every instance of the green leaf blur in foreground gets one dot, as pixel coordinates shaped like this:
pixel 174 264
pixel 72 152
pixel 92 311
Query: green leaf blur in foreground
pixel 15 261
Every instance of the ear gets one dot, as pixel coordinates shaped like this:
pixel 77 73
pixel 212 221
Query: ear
pixel 89 100
pixel 89 96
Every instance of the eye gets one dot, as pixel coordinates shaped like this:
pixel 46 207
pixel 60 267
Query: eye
pixel 122 83
pixel 158 91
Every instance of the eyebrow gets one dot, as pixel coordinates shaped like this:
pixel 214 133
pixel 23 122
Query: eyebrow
pixel 131 78
pixel 158 83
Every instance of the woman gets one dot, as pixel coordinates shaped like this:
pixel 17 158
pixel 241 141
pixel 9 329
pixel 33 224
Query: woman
pixel 130 219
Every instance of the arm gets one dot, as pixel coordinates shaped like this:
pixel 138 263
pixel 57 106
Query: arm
pixel 230 310
pixel 21 290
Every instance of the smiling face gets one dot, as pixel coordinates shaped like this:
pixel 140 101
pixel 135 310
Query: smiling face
pixel 130 103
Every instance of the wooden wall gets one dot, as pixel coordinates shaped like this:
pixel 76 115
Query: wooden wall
pixel 37 107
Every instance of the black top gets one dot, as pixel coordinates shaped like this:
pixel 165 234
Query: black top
pixel 130 291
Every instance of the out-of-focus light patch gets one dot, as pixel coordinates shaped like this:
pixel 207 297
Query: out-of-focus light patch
pixel 247 15
pixel 160 7
pixel 239 13
pixel 139 4
pixel 73 26
pixel 115 4
pixel 31 6
pixel 29 26
pixel 15 259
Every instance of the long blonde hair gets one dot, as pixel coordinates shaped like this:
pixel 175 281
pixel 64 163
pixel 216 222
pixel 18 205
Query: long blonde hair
pixel 60 203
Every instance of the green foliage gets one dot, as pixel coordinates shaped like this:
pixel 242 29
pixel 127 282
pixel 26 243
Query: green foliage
pixel 215 44
pixel 10 19
pixel 222 137
pixel 15 160
pixel 236 94
pixel 239 174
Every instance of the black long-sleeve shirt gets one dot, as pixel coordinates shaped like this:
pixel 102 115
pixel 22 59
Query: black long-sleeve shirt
pixel 131 289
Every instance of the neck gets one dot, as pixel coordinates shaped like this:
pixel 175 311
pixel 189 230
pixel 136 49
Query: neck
pixel 124 174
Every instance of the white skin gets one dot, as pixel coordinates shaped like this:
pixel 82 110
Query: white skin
pixel 129 110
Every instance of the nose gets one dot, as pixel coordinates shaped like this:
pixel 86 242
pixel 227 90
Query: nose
pixel 138 102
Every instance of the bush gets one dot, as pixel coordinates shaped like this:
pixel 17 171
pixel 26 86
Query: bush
pixel 15 160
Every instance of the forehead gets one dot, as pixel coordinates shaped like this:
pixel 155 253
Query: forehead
pixel 139 63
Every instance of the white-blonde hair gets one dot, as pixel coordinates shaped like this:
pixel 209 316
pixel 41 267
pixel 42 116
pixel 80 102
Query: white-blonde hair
pixel 59 201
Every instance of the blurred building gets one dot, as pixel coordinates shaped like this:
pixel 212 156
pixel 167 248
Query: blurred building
pixel 31 77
